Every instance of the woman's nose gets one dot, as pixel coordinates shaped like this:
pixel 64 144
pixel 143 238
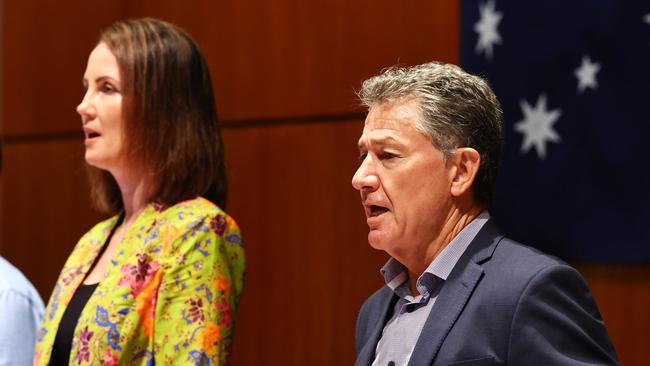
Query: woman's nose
pixel 84 108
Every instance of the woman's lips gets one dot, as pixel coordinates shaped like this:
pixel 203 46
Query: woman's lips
pixel 90 134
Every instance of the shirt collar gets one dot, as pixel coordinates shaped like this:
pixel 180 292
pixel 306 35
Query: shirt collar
pixel 396 274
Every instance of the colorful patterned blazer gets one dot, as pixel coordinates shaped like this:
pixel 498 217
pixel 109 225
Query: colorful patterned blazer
pixel 169 297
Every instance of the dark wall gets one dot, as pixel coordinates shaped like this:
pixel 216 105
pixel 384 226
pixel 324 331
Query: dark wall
pixel 285 72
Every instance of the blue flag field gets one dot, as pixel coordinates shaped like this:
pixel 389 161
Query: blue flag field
pixel 573 78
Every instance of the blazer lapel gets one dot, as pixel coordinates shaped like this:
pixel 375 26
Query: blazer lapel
pixel 445 311
pixel 82 258
pixel 381 315
pixel 454 295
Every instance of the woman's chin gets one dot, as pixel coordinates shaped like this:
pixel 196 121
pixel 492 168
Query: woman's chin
pixel 100 161
pixel 92 161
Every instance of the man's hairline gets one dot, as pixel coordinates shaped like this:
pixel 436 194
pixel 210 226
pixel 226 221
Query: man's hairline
pixel 420 123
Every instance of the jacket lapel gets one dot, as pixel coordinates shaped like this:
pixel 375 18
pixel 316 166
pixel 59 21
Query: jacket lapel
pixel 454 295
pixel 83 257
pixel 380 316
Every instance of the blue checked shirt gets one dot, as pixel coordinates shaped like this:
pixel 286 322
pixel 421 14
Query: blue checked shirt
pixel 402 331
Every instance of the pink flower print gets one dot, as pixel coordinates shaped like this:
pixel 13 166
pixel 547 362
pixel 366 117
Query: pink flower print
pixel 110 359
pixel 196 310
pixel 139 275
pixel 225 318
pixel 83 354
pixel 218 224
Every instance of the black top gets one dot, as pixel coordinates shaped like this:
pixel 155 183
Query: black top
pixel 63 340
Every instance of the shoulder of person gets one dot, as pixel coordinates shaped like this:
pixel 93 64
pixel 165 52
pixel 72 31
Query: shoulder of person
pixel 188 218
pixel 195 209
pixel 101 227
pixel 12 279
pixel 514 252
pixel 516 265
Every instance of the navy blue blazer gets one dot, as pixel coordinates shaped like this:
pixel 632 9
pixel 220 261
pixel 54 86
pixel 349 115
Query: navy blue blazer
pixel 502 304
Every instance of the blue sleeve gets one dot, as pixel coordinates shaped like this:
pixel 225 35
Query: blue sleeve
pixel 19 319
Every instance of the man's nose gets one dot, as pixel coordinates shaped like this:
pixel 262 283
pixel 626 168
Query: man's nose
pixel 365 178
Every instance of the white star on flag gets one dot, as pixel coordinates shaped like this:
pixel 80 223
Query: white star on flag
pixel 537 126
pixel 486 28
pixel 586 74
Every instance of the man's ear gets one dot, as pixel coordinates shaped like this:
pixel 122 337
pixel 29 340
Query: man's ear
pixel 466 162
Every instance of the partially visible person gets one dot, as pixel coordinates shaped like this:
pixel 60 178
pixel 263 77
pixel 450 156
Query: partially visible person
pixel 457 291
pixel 21 309
pixel 159 281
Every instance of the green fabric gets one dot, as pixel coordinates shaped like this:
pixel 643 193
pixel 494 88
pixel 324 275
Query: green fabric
pixel 170 294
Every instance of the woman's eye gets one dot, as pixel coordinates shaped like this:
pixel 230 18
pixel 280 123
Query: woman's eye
pixel 386 156
pixel 107 88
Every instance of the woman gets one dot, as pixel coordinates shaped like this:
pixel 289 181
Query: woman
pixel 158 282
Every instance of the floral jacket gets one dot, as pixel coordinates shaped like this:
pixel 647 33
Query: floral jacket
pixel 169 297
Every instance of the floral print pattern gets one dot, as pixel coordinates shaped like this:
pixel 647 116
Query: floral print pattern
pixel 110 358
pixel 83 353
pixel 195 311
pixel 139 275
pixel 169 297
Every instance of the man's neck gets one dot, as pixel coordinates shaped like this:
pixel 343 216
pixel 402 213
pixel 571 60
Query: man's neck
pixel 456 221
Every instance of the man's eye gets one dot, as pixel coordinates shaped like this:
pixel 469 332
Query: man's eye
pixel 386 156
pixel 362 157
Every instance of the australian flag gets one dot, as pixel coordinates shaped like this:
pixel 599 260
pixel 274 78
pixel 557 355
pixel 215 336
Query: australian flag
pixel 573 78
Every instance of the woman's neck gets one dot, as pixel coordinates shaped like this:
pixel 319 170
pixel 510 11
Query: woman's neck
pixel 134 191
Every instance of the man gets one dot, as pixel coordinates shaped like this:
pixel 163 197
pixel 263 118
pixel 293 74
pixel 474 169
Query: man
pixel 21 309
pixel 457 292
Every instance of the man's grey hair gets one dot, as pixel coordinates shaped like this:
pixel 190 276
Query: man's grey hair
pixel 457 109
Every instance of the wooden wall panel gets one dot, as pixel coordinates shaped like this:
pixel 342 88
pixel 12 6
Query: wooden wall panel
pixel 310 266
pixel 46 45
pixel 309 263
pixel 274 59
pixel 45 207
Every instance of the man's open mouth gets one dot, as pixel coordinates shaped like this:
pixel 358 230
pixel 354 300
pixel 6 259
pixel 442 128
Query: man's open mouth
pixel 377 210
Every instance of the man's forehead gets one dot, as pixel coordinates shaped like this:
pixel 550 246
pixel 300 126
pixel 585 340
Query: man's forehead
pixel 389 123
pixel 397 115
pixel 390 137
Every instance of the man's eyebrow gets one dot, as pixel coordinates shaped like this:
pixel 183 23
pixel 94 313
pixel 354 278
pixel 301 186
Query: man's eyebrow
pixel 381 140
